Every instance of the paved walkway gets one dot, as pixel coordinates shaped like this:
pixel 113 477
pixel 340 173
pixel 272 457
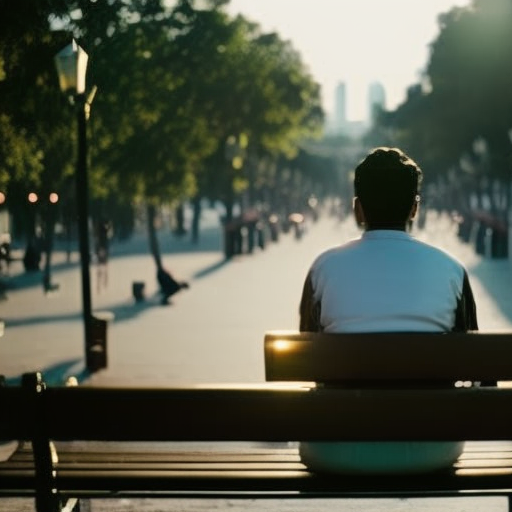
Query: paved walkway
pixel 212 332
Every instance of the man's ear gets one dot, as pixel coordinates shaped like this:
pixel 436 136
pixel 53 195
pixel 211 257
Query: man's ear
pixel 358 212
pixel 414 210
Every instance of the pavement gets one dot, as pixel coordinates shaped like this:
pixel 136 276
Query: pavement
pixel 210 333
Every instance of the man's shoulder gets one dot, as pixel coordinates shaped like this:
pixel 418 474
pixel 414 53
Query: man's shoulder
pixel 350 253
pixel 337 252
pixel 439 260
pixel 437 252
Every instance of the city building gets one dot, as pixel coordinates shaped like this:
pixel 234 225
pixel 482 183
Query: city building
pixel 339 124
pixel 376 99
pixel 340 108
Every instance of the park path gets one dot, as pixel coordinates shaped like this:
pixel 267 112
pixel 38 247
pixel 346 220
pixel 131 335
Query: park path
pixel 212 332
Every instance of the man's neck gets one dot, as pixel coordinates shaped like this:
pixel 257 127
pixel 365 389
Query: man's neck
pixel 392 227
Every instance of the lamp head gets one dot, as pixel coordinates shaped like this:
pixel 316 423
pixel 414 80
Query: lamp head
pixel 71 64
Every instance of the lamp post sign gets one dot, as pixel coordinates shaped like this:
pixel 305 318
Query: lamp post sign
pixel 71 64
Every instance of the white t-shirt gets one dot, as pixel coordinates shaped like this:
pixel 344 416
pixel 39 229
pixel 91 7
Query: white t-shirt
pixel 386 281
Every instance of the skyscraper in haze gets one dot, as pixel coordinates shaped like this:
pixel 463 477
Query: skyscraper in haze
pixel 339 124
pixel 376 99
pixel 340 108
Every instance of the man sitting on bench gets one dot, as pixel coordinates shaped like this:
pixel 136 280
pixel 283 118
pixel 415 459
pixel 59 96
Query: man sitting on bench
pixel 385 281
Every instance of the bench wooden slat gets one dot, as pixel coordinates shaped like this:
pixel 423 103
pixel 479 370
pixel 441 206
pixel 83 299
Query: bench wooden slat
pixel 163 458
pixel 278 479
pixel 185 459
pixel 282 415
pixel 160 452
pixel 269 415
pixel 246 480
pixel 480 470
pixel 367 357
pixel 472 458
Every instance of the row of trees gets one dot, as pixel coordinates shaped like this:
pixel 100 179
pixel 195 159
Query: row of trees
pixel 194 103
pixel 191 103
pixel 458 120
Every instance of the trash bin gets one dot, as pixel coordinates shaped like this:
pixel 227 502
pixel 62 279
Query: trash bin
pixel 499 244
pixel 96 357
pixel 138 290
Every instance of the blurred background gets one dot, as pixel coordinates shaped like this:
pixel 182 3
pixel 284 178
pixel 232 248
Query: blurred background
pixel 217 125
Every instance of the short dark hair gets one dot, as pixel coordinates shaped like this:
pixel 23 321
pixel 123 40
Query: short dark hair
pixel 387 183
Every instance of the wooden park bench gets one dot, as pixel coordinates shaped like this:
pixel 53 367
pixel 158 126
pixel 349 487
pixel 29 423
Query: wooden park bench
pixel 233 441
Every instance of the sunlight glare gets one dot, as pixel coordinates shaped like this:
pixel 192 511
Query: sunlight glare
pixel 281 345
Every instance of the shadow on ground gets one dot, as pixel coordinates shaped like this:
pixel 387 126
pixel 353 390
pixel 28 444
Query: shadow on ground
pixel 121 312
pixel 210 241
pixel 210 269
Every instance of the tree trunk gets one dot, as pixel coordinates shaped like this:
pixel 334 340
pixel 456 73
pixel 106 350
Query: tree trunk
pixel 180 220
pixel 196 219
pixel 32 256
pixel 230 231
pixel 49 227
pixel 228 205
pixel 153 239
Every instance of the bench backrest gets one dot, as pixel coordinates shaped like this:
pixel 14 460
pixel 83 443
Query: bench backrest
pixel 278 413
pixel 253 413
pixel 392 357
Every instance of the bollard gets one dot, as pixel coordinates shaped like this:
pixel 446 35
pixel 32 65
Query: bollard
pixel 138 290
pixel 96 356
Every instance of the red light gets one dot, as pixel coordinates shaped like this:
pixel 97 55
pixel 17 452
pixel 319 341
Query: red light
pixel 54 197
pixel 32 197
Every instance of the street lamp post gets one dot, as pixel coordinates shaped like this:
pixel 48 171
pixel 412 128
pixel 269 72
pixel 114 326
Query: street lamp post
pixel 71 63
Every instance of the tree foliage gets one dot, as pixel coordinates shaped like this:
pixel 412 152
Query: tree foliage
pixel 35 145
pixel 175 81
pixel 466 96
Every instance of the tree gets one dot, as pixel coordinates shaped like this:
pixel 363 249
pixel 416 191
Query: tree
pixel 174 83
pixel 35 144
pixel 148 136
pixel 254 88
pixel 465 96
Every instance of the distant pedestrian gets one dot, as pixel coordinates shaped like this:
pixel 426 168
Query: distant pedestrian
pixel 3 293
pixel 103 233
pixel 32 256
pixel 168 285
pixel 5 252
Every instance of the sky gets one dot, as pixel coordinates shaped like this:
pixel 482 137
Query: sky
pixel 355 41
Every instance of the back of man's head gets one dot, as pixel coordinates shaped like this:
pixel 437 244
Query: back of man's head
pixel 387 184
